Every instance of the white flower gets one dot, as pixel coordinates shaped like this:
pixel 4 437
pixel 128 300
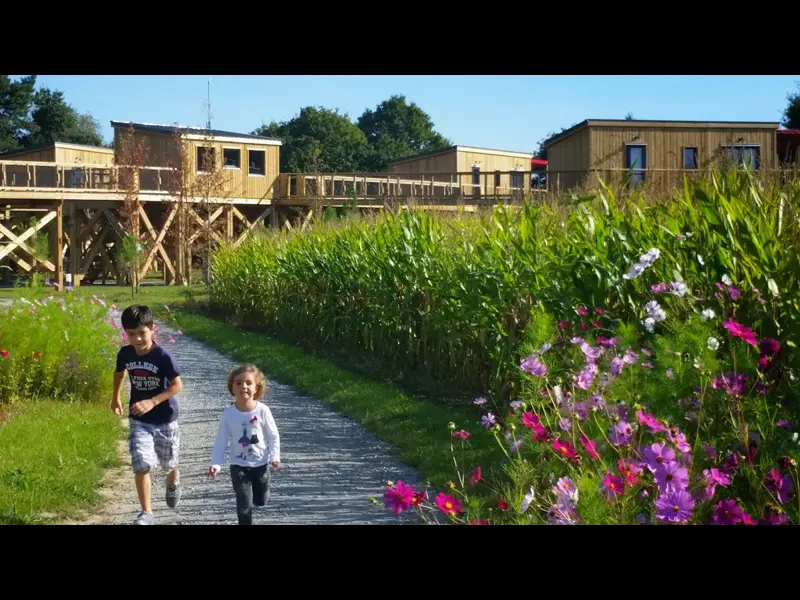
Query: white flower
pixel 636 270
pixel 700 260
pixel 707 314
pixel 654 311
pixel 679 288
pixel 526 501
pixel 727 280
pixel 649 324
pixel 713 343
pixel 697 364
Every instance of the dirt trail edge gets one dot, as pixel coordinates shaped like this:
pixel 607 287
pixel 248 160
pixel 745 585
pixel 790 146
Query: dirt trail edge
pixel 330 465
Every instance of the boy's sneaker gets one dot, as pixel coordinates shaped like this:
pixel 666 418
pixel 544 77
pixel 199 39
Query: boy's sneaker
pixel 144 518
pixel 173 495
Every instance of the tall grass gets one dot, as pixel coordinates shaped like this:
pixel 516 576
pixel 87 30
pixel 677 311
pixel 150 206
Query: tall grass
pixel 56 348
pixel 454 296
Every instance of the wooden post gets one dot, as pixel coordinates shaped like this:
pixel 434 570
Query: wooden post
pixel 57 242
pixel 229 222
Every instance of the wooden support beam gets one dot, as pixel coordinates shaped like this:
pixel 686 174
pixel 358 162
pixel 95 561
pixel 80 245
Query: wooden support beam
pixel 158 247
pixel 74 244
pixel 57 243
pixel 252 225
pixel 18 241
pixel 159 239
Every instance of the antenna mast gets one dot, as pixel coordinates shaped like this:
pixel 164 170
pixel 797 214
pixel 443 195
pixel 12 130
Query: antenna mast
pixel 208 105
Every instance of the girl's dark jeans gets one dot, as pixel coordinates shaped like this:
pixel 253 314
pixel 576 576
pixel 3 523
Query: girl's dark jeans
pixel 251 485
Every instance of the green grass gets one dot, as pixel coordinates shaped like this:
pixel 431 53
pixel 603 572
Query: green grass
pixel 416 427
pixel 118 294
pixel 53 458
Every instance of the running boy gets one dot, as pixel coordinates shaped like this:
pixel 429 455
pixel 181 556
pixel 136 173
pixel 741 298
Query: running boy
pixel 154 432
pixel 248 427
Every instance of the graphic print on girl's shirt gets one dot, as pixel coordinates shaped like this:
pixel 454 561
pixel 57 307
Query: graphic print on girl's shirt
pixel 253 436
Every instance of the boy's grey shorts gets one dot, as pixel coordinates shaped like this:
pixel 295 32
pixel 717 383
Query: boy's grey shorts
pixel 152 445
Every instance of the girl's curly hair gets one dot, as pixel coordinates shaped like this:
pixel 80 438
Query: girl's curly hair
pixel 261 381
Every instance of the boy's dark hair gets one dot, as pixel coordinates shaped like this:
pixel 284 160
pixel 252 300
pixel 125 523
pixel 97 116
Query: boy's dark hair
pixel 137 316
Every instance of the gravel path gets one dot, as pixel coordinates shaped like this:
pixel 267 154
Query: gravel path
pixel 330 465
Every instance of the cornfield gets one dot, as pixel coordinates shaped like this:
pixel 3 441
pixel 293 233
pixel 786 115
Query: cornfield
pixel 453 296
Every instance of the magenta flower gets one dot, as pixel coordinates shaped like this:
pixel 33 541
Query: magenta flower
pixel 675 507
pixel 671 477
pixel 734 384
pixel 613 484
pixel 769 347
pixel 533 366
pixel 650 421
pixel 563 324
pixel 565 449
pixel 727 512
pixel 583 312
pixel 630 471
pixel 740 331
pixel 530 420
pixel 448 504
pixel 773 517
pixel 589 446
pixel 397 499
pixel 781 486
pixel 606 342
pixel 734 292
pixel 464 435
pixel 678 439
pixel 476 475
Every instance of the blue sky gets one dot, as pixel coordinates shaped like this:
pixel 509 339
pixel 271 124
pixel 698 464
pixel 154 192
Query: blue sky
pixel 510 112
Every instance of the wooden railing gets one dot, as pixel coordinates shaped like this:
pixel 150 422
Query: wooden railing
pixel 442 187
pixel 34 176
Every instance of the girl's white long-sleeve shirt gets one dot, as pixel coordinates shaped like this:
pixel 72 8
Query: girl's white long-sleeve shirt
pixel 251 436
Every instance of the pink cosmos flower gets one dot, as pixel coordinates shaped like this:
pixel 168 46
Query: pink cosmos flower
pixel 674 507
pixel 613 484
pixel 671 478
pixel 565 449
pixel 464 435
pixel 727 512
pixel 476 475
pixel 449 504
pixel 397 499
pixel 650 421
pixel 740 331
pixel 534 366
pixel 589 446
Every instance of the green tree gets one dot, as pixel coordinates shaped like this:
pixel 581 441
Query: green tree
pixel 541 152
pixel 16 98
pixel 54 120
pixel 397 129
pixel 319 140
pixel 791 115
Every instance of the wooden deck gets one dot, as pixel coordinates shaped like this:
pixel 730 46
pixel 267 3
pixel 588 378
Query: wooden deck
pixel 48 181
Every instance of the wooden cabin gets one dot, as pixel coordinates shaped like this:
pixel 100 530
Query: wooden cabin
pixel 251 163
pixel 60 153
pixel 475 170
pixel 658 152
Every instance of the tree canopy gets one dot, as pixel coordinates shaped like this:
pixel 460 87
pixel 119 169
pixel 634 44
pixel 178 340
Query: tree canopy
pixel 31 117
pixel 791 115
pixel 323 140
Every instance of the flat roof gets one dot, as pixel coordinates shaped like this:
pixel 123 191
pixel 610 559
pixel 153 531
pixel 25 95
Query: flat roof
pixel 458 147
pixel 197 132
pixel 661 123
pixel 58 145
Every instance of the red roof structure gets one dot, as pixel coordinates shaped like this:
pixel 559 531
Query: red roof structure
pixel 538 162
pixel 788 145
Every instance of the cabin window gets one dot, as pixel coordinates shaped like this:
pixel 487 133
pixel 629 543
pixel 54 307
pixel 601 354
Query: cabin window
pixel 476 180
pixel 744 154
pixel 257 161
pixel 636 162
pixel 517 179
pixel 206 159
pixel 497 179
pixel 690 158
pixel 232 158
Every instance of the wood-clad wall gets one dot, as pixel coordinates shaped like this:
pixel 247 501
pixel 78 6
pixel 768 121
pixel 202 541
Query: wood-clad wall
pixel 568 161
pixel 665 145
pixel 446 162
pixel 489 163
pixel 239 183
pixel 37 155
pixel 84 156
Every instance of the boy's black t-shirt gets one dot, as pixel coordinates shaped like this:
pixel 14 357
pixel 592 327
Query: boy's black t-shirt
pixel 150 375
